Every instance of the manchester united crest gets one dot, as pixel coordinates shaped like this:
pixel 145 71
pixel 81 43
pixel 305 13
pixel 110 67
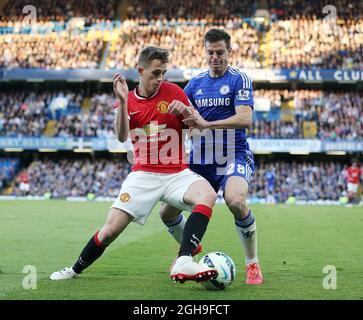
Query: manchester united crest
pixel 162 107
pixel 124 197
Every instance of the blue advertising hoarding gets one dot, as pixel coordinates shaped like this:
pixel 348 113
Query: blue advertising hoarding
pixel 104 144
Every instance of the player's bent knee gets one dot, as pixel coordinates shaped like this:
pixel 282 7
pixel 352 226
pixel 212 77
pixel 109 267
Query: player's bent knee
pixel 208 197
pixel 237 205
pixel 162 210
pixel 108 234
pixel 201 192
pixel 168 213
pixel 117 221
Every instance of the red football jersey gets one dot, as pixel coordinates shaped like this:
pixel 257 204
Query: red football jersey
pixel 155 134
pixel 24 177
pixel 353 175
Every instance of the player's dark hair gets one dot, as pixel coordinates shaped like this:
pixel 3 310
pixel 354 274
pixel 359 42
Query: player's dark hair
pixel 150 53
pixel 215 35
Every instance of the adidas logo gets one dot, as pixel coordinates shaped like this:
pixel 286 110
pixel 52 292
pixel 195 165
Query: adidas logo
pixel 199 92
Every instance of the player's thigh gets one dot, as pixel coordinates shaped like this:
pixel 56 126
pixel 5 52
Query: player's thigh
pixel 236 180
pixel 186 189
pixel 201 192
pixel 208 172
pixel 139 194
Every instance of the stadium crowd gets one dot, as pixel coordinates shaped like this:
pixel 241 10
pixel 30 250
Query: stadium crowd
pixel 74 178
pixel 333 115
pixel 308 42
pixel 58 10
pixel 50 51
pixel 184 42
pixel 189 9
pixel 97 10
pixel 277 181
pixel 299 43
pixel 27 113
pixel 296 35
pixel 286 9
pixel 273 181
pixel 23 114
pixel 96 122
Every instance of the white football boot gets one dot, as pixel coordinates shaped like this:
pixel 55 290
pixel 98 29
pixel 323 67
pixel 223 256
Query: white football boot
pixel 184 268
pixel 66 273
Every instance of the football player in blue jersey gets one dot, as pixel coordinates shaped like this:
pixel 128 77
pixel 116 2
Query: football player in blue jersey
pixel 223 99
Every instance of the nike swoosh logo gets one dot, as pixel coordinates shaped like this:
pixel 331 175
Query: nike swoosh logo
pixel 132 113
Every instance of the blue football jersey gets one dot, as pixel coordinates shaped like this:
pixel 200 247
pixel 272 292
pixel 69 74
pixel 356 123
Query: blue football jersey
pixel 216 99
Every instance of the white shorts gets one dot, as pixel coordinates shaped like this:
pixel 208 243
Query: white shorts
pixel 142 190
pixel 352 187
pixel 24 186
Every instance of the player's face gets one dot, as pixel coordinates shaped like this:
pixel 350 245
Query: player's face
pixel 152 76
pixel 217 56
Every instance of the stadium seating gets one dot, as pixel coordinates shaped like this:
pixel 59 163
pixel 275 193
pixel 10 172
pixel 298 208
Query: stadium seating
pixel 59 10
pixel 303 181
pixel 50 51
pixel 292 35
pixel 299 114
pixel 75 178
pixel 273 181
pixel 108 35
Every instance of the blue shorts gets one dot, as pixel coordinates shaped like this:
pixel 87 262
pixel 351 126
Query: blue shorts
pixel 217 175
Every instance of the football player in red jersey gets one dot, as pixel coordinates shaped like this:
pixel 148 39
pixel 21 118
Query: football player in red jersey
pixel 353 175
pixel 152 115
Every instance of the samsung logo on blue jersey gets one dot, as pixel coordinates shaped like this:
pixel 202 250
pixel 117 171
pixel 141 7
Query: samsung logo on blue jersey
pixel 213 102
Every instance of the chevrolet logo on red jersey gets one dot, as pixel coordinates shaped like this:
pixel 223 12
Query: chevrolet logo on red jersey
pixel 151 129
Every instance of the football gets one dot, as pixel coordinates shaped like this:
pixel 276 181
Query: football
pixel 225 267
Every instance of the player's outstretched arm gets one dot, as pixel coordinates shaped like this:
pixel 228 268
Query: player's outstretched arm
pixel 242 119
pixel 122 122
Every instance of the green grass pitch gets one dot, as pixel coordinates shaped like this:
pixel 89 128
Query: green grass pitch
pixel 295 243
